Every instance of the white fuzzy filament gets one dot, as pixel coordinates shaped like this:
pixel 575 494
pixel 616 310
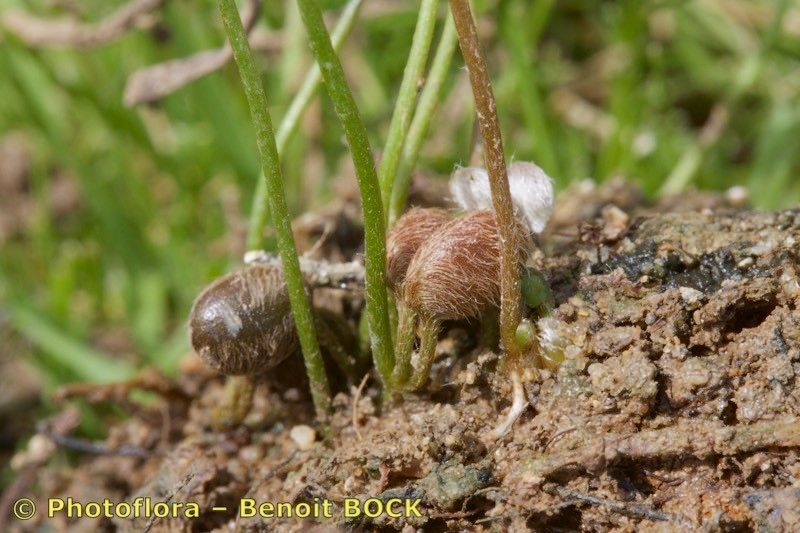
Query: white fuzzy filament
pixel 531 192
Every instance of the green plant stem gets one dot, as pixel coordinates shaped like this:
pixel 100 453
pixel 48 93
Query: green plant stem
pixel 429 335
pixel 407 97
pixel 374 226
pixel 430 96
pixel 347 362
pixel 290 122
pixel 404 346
pixel 510 287
pixel 293 52
pixel 257 101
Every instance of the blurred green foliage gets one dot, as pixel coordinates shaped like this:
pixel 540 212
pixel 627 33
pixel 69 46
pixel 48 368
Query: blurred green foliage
pixel 585 88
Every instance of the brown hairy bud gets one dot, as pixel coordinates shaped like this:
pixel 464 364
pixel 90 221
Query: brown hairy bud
pixel 456 273
pixel 242 323
pixel 406 236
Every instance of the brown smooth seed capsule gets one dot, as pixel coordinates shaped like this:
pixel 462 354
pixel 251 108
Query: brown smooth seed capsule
pixel 242 323
pixel 455 274
pixel 406 236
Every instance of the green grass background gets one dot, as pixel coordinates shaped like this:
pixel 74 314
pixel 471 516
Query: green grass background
pixel 166 189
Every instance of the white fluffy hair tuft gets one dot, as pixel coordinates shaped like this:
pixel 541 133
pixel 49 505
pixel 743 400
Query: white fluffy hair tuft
pixel 531 192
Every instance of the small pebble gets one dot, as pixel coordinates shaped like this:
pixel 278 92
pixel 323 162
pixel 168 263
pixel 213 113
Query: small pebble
pixel 250 454
pixel 291 395
pixel 304 436
pixel 615 216
pixel 763 248
pixel 471 375
pixel 690 295
pixel 737 195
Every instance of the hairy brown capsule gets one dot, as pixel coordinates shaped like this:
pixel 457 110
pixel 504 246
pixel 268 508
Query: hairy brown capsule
pixel 242 323
pixel 456 273
pixel 406 236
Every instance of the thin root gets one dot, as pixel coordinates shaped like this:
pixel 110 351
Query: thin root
pixel 518 405
pixel 632 509
pixel 356 399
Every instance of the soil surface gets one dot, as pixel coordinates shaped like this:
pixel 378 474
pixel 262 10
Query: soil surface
pixel 677 405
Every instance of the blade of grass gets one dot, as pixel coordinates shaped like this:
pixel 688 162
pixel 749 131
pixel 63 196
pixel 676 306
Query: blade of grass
pixel 291 120
pixel 748 74
pixel 520 43
pixel 625 104
pixel 291 71
pixel 150 311
pixel 85 362
pixel 430 96
pixel 298 297
pixel 775 154
pixel 374 226
pixel 168 356
pixel 407 96
pixel 293 54
pixel 47 100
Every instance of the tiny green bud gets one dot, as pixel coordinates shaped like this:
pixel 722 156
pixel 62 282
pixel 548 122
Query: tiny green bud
pixel 525 334
pixel 535 290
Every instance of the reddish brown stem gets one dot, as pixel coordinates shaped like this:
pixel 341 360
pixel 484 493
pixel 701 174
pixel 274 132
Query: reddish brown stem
pixel 498 179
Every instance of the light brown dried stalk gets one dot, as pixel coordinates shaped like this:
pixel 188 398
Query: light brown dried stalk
pixel 510 309
pixel 582 115
pixel 698 438
pixel 153 83
pixel 68 31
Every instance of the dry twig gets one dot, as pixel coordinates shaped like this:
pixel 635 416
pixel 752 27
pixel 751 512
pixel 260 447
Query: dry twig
pixel 486 112
pixel 356 399
pixel 148 380
pixel 153 83
pixel 68 31
pixel 632 509
pixel 94 448
pixel 318 274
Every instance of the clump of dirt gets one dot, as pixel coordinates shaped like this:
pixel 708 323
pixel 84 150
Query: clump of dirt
pixel 676 406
